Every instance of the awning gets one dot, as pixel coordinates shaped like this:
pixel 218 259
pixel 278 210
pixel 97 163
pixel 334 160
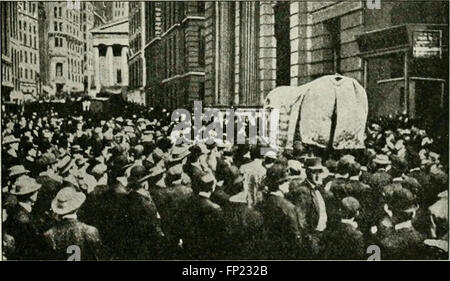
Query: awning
pixel 48 89
pixel 16 95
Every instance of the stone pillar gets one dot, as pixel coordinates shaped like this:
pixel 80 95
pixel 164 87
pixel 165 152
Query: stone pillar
pixel 124 65
pixel 267 50
pixel 97 68
pixel 110 65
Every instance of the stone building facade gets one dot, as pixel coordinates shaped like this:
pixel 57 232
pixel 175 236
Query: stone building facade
pixel 61 48
pixel 10 50
pixel 136 62
pixel 175 53
pixel 253 47
pixel 29 47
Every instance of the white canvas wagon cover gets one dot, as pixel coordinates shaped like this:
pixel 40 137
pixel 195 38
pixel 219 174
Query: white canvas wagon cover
pixel 311 108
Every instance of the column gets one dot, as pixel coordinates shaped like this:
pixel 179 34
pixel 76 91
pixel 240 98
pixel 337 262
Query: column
pixel 97 68
pixel 110 65
pixel 124 65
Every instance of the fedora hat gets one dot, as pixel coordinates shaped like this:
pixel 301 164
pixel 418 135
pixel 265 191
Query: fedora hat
pixel 25 185
pixel 382 159
pixel 314 163
pixel 178 153
pixel 157 170
pixel 138 174
pixel 67 201
pixel 17 170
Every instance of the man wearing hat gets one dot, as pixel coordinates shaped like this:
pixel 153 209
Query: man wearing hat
pixel 204 234
pixel 345 241
pixel 51 183
pixel 10 147
pixel 401 240
pixel 282 236
pixel 70 231
pixel 21 223
pixel 193 168
pixel 169 201
pixel 254 174
pixel 381 176
pixel 310 198
pixel 144 232
pixel 15 172
pixel 243 222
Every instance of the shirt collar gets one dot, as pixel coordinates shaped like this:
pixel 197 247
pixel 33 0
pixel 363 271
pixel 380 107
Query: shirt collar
pixel 339 176
pixel 405 224
pixel 399 179
pixel 204 194
pixel 415 170
pixel 70 216
pixel 354 178
pixel 351 222
pixel 26 206
pixel 143 192
pixel 277 193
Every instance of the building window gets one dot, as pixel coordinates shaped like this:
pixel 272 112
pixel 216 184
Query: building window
pixel 283 51
pixel 119 76
pixel 333 28
pixel 59 70
pixel 26 73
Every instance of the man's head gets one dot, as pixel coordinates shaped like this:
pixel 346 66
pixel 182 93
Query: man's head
pixel 349 208
pixel 314 170
pixel 274 175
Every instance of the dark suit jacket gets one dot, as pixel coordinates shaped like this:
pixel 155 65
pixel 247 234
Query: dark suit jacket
pixel 243 229
pixel 22 226
pixel 41 209
pixel 344 242
pixel 70 232
pixel 424 180
pixel 144 229
pixel 204 233
pixel 282 230
pixel 106 209
pixel 402 244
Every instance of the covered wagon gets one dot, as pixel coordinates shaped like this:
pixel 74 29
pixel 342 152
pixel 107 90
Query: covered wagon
pixel 329 112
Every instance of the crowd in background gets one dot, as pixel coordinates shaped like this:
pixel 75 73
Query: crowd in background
pixel 120 188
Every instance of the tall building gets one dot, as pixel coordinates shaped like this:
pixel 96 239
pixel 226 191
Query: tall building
pixel 174 53
pixel 136 60
pixel 119 10
pixel 399 52
pixel 102 12
pixel 10 50
pixel 62 48
pixel 87 23
pixel 152 51
pixel 29 47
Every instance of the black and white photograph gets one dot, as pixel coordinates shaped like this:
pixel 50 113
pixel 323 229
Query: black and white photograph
pixel 224 131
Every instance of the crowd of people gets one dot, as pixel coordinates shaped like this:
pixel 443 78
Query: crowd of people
pixel 121 189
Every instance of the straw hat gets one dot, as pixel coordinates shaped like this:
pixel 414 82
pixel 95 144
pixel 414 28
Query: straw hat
pixel 67 201
pixel 25 185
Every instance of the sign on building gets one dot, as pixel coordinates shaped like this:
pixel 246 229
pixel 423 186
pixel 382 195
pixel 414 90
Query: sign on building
pixel 427 43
